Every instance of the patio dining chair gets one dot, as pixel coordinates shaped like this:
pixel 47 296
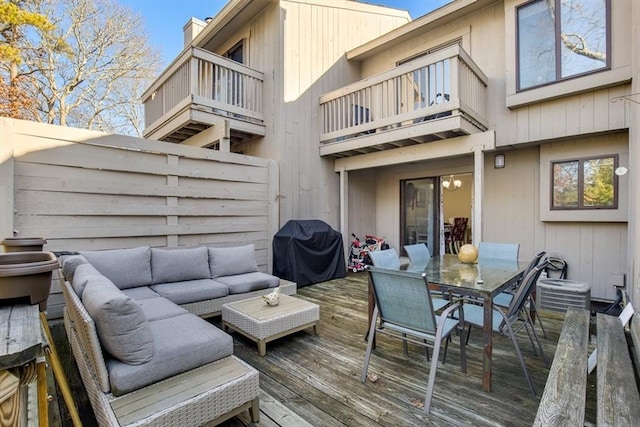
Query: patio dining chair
pixel 388 258
pixel 502 251
pixel 418 253
pixel 508 251
pixel 403 304
pixel 510 321
pixel 419 256
pixel 503 299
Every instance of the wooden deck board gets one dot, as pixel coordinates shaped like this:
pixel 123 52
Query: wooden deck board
pixel 317 378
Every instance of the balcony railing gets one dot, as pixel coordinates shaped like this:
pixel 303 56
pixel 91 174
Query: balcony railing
pixel 207 82
pixel 445 84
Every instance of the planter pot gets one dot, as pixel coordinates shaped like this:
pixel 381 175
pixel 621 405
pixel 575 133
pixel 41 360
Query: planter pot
pixel 27 276
pixel 23 244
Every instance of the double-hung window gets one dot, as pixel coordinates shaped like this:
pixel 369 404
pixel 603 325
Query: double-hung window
pixel 561 39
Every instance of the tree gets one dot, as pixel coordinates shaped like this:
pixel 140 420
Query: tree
pixel 15 99
pixel 96 81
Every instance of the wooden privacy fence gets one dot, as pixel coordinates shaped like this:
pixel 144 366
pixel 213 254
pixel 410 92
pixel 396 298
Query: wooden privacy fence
pixel 84 190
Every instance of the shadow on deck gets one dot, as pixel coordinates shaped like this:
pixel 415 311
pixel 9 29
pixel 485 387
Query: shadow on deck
pixel 317 378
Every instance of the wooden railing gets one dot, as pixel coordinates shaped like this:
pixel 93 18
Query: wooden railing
pixel 430 87
pixel 209 80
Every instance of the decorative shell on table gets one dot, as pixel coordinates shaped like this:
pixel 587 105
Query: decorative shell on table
pixel 273 298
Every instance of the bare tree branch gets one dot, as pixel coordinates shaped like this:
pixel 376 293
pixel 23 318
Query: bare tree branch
pixel 97 60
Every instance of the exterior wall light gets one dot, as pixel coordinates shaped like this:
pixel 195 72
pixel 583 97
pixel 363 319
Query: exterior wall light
pixel 621 171
pixel 499 161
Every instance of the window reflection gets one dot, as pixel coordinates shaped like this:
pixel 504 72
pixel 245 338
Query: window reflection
pixel 577 45
pixel 588 183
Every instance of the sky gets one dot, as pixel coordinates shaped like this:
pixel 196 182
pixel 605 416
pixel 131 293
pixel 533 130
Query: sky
pixel 164 19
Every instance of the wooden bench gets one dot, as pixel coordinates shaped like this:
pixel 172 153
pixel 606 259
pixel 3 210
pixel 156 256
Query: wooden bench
pixel 618 401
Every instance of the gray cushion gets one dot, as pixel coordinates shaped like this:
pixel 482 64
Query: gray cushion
pixel 173 265
pixel 126 268
pixel 122 328
pixel 230 261
pixel 160 308
pixel 181 343
pixel 82 275
pixel 140 293
pixel 242 283
pixel 191 290
pixel 69 263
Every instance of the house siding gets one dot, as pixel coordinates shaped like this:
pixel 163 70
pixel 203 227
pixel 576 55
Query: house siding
pixel 299 46
pixel 595 247
pixel 302 47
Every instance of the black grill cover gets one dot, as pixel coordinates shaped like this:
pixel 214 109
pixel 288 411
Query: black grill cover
pixel 307 252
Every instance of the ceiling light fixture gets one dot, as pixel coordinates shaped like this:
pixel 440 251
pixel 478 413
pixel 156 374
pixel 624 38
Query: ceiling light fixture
pixel 451 184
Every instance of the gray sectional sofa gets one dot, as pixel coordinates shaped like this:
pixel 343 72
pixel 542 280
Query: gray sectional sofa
pixel 133 317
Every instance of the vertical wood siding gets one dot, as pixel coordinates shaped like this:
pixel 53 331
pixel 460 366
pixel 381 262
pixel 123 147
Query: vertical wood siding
pixel 315 36
pixel 88 190
pixel 511 213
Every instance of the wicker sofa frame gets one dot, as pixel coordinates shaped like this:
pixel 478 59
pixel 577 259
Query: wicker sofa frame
pixel 209 394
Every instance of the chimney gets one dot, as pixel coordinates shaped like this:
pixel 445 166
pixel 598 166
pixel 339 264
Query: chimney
pixel 192 28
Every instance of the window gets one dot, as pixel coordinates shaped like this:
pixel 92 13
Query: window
pixel 236 53
pixel 561 39
pixel 588 183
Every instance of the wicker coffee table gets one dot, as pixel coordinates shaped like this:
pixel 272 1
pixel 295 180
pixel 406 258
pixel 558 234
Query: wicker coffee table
pixel 262 323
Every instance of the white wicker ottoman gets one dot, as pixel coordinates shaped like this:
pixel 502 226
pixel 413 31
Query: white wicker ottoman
pixel 262 323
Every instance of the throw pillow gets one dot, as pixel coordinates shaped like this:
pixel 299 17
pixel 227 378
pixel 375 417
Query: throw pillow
pixel 234 260
pixel 123 329
pixel 126 268
pixel 177 265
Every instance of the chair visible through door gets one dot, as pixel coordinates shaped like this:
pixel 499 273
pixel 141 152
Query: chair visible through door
pixel 456 237
pixel 422 230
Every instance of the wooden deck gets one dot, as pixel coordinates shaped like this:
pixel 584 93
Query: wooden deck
pixel 314 380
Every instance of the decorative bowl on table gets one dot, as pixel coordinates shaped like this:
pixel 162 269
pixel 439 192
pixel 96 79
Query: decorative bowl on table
pixel 468 254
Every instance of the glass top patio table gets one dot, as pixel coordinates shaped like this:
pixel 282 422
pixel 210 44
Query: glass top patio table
pixel 484 279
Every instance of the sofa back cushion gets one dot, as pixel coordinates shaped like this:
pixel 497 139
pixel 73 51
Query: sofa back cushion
pixel 83 274
pixel 126 268
pixel 69 263
pixel 176 265
pixel 234 260
pixel 123 330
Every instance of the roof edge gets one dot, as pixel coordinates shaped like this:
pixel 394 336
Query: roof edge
pixel 437 17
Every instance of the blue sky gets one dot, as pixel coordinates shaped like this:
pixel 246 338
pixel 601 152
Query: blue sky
pixel 164 19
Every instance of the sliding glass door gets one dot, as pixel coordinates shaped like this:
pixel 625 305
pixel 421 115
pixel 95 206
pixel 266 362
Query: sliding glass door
pixel 419 213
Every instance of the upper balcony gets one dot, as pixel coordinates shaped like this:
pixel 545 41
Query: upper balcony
pixel 441 95
pixel 199 90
